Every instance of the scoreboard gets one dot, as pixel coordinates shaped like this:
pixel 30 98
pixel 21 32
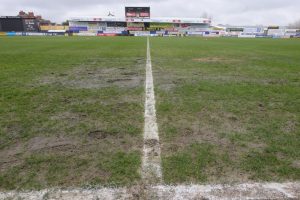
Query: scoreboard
pixel 18 24
pixel 30 25
pixel 11 24
pixel 137 12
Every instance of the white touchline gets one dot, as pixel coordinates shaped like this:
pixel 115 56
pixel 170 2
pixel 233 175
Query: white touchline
pixel 151 164
pixel 289 190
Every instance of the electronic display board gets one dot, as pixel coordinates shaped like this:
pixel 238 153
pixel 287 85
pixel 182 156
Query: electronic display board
pixel 137 12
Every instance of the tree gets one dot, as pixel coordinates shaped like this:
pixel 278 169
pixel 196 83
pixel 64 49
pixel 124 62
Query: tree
pixel 66 23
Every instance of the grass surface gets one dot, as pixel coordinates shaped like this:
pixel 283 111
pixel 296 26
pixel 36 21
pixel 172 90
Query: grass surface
pixel 71 111
pixel 228 109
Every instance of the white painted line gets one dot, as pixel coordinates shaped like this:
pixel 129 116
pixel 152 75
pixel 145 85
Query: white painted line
pixel 290 190
pixel 71 194
pixel 228 192
pixel 151 164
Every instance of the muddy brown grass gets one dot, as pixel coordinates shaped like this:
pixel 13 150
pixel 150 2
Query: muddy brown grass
pixel 215 60
pixel 91 76
pixel 71 118
pixel 227 108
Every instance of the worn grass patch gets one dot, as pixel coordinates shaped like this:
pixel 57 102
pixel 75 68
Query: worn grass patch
pixel 197 162
pixel 71 111
pixel 49 170
pixel 241 97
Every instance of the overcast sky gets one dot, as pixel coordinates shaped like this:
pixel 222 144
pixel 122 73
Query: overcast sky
pixel 235 12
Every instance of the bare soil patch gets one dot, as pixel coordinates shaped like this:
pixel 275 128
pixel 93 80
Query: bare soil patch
pixel 82 78
pixel 15 154
pixel 95 75
pixel 214 60
pixel 290 126
pixel 98 134
pixel 40 143
pixel 85 158
pixel 205 130
pixel 296 164
pixel 151 142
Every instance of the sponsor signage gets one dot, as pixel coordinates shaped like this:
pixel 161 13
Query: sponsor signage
pixel 161 25
pixel 107 34
pixel 35 34
pixel 130 14
pixel 78 28
pixel 135 28
pixel 142 19
pixel 144 14
pixel 86 34
pixel 137 20
pixel 11 34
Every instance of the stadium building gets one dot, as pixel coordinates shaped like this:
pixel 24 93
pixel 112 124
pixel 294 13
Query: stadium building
pixel 138 21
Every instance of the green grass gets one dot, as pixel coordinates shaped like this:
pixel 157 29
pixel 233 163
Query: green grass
pixel 71 111
pixel 240 97
pixel 114 169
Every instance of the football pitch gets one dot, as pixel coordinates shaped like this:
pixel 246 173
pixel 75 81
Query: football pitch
pixel 72 110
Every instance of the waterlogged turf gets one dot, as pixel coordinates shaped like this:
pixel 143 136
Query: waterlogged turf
pixel 228 109
pixel 71 111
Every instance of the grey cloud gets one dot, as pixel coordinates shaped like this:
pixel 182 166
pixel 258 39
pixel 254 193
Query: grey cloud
pixel 238 12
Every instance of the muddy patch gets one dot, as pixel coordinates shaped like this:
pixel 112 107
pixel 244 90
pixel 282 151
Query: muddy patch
pixel 169 80
pixel 296 164
pixel 91 77
pixel 214 60
pixel 12 155
pixel 151 142
pixel 153 146
pixel 40 143
pixel 88 147
pixel 98 135
pixel 9 156
pixel 69 116
pixel 290 126
pixel 204 130
pixel 172 81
